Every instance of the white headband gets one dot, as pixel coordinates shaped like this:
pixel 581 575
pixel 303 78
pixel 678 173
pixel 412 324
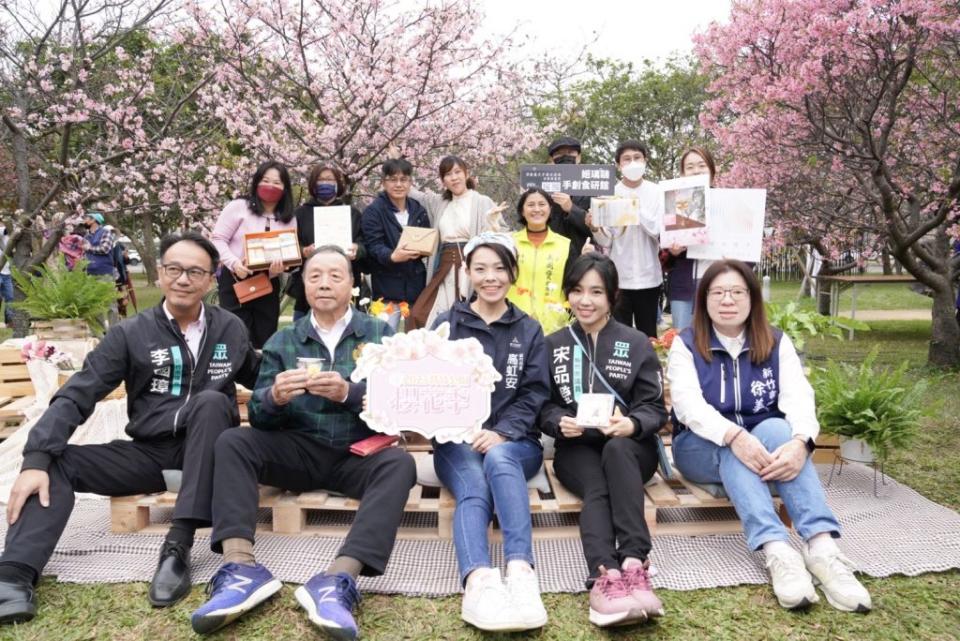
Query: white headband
pixel 490 238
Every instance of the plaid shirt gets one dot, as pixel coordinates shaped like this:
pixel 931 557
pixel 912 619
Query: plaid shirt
pixel 335 425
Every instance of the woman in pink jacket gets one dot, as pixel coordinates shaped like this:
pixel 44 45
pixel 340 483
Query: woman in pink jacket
pixel 267 207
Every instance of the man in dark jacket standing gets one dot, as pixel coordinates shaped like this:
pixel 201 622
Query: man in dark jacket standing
pixel 568 215
pixel 178 362
pixel 398 274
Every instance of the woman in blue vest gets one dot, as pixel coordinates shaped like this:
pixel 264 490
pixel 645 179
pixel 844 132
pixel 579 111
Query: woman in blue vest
pixel 744 416
pixel 490 474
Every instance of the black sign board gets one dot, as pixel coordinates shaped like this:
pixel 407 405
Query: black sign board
pixel 573 180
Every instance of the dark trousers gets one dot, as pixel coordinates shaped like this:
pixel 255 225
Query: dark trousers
pixel 261 315
pixel 297 462
pixel 122 468
pixel 638 308
pixel 609 477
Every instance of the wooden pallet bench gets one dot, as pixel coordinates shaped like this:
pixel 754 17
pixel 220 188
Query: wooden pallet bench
pixel 16 391
pixel 290 511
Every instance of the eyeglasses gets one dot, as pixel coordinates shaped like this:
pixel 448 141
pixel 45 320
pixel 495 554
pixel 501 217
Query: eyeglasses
pixel 400 180
pixel 736 293
pixel 193 274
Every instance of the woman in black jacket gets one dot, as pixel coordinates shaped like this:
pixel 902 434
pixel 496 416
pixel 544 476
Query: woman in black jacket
pixel 327 186
pixel 606 466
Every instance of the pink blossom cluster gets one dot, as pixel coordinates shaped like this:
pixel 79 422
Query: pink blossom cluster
pixel 44 351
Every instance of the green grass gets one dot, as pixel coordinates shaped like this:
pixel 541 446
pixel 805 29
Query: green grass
pixel 906 608
pixel 879 296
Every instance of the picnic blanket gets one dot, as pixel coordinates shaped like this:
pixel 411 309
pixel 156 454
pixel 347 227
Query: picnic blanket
pixel 899 532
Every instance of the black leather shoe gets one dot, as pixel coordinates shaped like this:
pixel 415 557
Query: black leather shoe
pixel 18 602
pixel 171 581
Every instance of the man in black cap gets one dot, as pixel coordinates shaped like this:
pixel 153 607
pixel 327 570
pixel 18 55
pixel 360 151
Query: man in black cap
pixel 568 215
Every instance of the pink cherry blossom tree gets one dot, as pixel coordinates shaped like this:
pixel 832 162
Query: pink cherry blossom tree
pixel 848 111
pixel 341 80
pixel 100 111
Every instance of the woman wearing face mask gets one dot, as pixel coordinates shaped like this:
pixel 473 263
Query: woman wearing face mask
pixel 267 206
pixel 459 214
pixel 326 185
pixel 542 256
pixel 684 271
pixel 490 474
pixel 606 467
pixel 635 249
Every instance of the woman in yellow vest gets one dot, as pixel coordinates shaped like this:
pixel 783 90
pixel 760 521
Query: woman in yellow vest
pixel 542 258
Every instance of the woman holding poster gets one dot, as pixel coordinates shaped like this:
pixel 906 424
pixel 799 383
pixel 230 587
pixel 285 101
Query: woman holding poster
pixel 490 474
pixel 606 463
pixel 327 186
pixel 744 417
pixel 459 214
pixel 682 271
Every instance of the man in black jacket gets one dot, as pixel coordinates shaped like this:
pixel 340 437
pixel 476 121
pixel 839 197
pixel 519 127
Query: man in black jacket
pixel 178 362
pixel 568 215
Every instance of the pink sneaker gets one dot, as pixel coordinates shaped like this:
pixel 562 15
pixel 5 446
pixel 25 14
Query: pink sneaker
pixel 637 578
pixel 612 602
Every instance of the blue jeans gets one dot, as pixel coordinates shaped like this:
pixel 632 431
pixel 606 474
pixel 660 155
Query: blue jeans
pixel 6 292
pixel 682 312
pixel 484 482
pixel 701 461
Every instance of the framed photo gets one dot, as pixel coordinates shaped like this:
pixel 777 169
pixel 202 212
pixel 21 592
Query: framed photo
pixel 262 248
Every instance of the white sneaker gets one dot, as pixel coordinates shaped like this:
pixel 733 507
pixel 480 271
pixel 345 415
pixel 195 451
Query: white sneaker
pixel 791 582
pixel 486 604
pixel 528 607
pixel 834 574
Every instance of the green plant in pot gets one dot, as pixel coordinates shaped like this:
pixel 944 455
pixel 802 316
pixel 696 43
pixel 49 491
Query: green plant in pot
pixel 880 407
pixel 801 324
pixel 53 293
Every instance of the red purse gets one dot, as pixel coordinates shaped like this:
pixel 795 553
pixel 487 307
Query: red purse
pixel 373 444
pixel 252 288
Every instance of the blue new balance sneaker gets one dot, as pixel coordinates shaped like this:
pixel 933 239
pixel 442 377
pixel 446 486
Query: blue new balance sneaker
pixel 329 600
pixel 234 590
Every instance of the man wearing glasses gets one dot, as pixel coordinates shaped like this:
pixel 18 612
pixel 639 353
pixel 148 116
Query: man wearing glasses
pixel 178 362
pixel 398 274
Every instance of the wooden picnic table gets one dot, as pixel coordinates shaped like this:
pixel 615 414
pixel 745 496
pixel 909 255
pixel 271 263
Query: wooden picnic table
pixel 841 282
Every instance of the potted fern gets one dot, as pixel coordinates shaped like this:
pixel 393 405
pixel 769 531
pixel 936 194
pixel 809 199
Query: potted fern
pixel 800 324
pixel 872 409
pixel 64 303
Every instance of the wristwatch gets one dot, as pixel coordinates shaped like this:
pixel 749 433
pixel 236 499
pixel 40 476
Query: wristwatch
pixel 806 440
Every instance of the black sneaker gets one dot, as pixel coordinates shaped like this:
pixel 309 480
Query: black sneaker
pixel 18 602
pixel 171 581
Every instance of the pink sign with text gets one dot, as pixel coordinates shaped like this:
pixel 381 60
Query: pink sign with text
pixel 423 382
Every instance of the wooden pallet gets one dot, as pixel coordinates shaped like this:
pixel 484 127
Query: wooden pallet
pixel 16 391
pixel 290 511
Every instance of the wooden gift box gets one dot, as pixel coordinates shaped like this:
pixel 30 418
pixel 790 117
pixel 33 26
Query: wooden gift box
pixel 262 248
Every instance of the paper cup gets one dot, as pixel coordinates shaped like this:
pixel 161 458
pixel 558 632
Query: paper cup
pixel 313 365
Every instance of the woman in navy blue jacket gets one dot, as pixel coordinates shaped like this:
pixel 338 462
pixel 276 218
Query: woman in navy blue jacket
pixel 491 472
pixel 397 274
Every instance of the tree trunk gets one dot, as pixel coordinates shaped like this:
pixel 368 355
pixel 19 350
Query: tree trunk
pixel 885 259
pixel 147 246
pixel 945 332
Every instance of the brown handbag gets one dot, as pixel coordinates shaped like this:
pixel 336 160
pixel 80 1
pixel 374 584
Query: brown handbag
pixel 252 288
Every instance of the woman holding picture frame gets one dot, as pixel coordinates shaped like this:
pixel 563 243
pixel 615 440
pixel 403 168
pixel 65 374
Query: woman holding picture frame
pixel 326 185
pixel 594 360
pixel 267 206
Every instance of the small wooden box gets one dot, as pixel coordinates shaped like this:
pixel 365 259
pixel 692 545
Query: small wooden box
pixel 262 248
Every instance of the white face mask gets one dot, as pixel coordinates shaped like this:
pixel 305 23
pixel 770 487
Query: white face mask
pixel 634 171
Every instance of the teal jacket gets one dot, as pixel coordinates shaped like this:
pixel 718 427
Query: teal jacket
pixel 335 425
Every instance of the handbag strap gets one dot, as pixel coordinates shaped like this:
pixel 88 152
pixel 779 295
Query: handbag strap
pixel 665 468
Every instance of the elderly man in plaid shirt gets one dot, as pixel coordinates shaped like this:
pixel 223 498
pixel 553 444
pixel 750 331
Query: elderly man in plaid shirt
pixel 303 427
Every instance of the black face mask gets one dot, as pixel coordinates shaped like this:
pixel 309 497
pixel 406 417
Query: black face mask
pixel 568 159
